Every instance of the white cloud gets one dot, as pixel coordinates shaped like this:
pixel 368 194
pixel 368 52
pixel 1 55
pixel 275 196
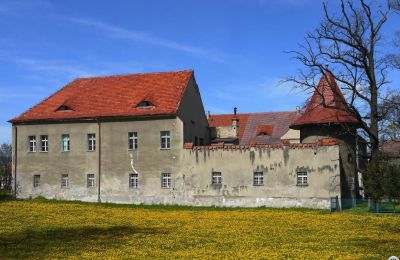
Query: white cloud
pixel 134 35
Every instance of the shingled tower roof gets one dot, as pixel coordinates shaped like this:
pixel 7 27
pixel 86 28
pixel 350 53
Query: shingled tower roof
pixel 327 105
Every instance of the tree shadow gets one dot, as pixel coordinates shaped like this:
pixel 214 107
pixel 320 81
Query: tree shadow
pixel 35 243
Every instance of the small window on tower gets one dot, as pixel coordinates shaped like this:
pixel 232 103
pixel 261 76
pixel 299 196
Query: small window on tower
pixel 64 108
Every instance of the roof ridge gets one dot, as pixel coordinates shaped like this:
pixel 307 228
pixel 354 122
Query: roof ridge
pixel 134 74
pixel 253 113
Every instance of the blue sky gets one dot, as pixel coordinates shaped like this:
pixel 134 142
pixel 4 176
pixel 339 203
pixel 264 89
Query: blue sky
pixel 236 48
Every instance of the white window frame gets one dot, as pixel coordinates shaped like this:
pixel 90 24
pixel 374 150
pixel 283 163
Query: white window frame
pixel 302 179
pixel 166 180
pixel 91 142
pixel 36 181
pixel 90 180
pixel 64 181
pixel 216 178
pixel 258 179
pixel 65 143
pixel 165 137
pixel 133 180
pixel 32 143
pixel 132 140
pixel 44 143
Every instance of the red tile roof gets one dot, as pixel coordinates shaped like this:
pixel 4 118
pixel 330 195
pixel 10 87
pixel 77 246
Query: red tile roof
pixel 113 96
pixel 327 105
pixel 265 130
pixel 277 123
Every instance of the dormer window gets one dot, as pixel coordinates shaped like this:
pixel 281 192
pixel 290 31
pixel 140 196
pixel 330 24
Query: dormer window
pixel 64 108
pixel 145 104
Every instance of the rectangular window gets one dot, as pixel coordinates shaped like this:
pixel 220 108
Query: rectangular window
pixel 258 179
pixel 165 140
pixel 196 141
pixel 132 140
pixel 64 181
pixel 36 181
pixel 90 180
pixel 216 178
pixel 166 180
pixel 91 142
pixel 32 143
pixel 133 180
pixel 44 143
pixel 65 143
pixel 201 141
pixel 302 179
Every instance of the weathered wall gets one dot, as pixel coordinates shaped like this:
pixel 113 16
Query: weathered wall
pixel 192 113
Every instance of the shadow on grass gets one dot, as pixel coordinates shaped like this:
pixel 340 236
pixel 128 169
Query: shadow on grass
pixel 36 243
pixel 5 195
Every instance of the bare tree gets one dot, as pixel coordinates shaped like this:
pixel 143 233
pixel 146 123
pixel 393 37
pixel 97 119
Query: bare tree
pixel 5 165
pixel 350 42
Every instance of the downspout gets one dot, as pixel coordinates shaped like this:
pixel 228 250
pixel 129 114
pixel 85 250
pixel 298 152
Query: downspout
pixel 99 163
pixel 15 160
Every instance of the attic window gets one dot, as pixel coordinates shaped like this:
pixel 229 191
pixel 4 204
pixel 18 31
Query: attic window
pixel 145 104
pixel 64 108
pixel 262 133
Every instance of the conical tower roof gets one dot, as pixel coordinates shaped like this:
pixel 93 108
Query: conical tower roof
pixel 327 105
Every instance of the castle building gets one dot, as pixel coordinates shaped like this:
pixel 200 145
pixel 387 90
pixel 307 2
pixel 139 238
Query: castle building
pixel 146 139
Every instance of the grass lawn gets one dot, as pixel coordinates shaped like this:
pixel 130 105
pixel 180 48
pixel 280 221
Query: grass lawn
pixel 52 229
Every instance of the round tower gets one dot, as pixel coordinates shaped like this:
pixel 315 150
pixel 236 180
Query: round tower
pixel 327 115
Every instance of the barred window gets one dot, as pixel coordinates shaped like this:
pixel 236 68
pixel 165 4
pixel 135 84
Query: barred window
pixel 44 143
pixel 90 180
pixel 166 180
pixel 165 140
pixel 32 143
pixel 36 181
pixel 302 179
pixel 216 178
pixel 64 181
pixel 91 142
pixel 132 140
pixel 258 179
pixel 133 180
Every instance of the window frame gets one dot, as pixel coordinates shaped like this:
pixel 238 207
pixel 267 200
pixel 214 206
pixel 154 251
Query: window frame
pixel 90 180
pixel 166 180
pixel 258 179
pixel 32 149
pixel 216 178
pixel 64 181
pixel 165 140
pixel 68 144
pixel 91 142
pixel 302 178
pixel 44 143
pixel 133 180
pixel 36 180
pixel 133 141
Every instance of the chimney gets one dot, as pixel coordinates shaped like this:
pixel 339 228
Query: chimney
pixel 298 110
pixel 208 114
pixel 234 110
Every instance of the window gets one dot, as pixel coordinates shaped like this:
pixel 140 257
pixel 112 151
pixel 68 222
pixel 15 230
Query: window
pixel 216 178
pixel 36 181
pixel 166 180
pixel 44 143
pixel 258 179
pixel 165 140
pixel 90 180
pixel 196 141
pixel 64 181
pixel 145 104
pixel 133 180
pixel 201 141
pixel 65 143
pixel 91 142
pixel 132 140
pixel 32 143
pixel 302 179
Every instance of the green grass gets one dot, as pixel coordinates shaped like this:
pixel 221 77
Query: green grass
pixel 39 228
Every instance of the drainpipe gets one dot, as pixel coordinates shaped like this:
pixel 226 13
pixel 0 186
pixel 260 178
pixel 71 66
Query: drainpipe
pixel 99 162
pixel 15 160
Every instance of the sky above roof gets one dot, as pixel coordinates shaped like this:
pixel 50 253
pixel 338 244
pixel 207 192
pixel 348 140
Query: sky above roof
pixel 236 48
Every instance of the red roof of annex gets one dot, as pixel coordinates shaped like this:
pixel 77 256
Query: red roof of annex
pixel 113 96
pixel 327 105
